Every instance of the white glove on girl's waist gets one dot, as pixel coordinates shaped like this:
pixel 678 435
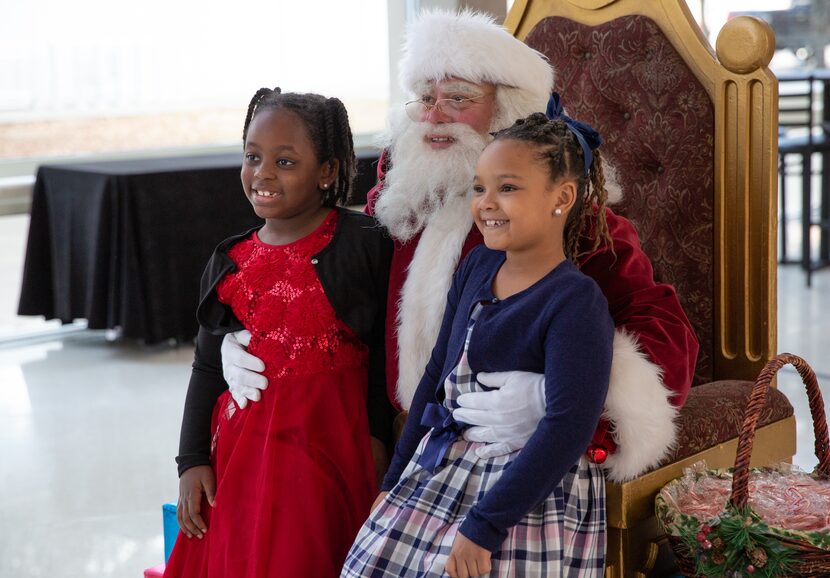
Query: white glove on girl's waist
pixel 506 417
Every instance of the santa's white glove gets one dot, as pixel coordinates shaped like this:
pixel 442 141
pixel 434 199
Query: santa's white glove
pixel 506 417
pixel 240 368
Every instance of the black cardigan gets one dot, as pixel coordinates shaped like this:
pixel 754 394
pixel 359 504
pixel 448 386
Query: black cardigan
pixel 354 272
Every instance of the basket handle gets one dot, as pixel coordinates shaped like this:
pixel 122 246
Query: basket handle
pixel 740 479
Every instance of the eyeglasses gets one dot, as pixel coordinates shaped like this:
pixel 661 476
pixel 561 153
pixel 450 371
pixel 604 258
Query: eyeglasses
pixel 418 109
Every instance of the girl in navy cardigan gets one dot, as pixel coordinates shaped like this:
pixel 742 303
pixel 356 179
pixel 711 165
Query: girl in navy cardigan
pixel 519 302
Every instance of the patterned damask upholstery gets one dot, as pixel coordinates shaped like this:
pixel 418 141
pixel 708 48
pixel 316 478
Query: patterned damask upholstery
pixel 657 122
pixel 658 125
pixel 715 412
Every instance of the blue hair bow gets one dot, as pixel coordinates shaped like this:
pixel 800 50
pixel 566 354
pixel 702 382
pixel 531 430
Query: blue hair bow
pixel 587 136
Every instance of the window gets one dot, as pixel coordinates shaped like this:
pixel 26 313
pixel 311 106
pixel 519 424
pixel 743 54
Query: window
pixel 97 76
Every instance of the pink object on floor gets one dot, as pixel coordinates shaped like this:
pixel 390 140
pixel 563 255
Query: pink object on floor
pixel 154 572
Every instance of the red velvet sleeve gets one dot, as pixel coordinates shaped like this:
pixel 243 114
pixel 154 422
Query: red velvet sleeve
pixel 648 310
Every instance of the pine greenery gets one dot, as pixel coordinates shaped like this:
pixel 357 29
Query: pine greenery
pixel 737 545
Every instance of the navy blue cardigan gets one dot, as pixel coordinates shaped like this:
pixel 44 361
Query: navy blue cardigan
pixel 560 326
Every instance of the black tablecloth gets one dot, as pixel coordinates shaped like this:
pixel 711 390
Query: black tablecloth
pixel 124 243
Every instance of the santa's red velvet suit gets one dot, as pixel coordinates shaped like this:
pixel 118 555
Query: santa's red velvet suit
pixel 655 349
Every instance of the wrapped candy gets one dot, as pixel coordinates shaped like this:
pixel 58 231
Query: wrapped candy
pixel 783 498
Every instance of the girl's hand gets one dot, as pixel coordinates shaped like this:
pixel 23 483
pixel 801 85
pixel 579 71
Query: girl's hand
pixel 378 500
pixel 467 559
pixel 194 483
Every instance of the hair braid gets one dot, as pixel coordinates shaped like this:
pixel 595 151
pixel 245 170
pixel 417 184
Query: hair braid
pixel 328 146
pixel 343 145
pixel 328 125
pixel 253 106
pixel 598 195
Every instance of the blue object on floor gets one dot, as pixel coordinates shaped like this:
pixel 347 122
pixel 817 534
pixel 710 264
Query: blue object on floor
pixel 171 528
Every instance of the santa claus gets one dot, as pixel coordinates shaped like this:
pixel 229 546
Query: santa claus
pixel 468 77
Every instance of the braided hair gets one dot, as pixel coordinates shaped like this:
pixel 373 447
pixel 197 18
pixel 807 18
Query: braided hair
pixel 559 149
pixel 327 125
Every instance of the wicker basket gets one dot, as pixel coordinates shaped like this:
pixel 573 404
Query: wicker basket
pixel 807 553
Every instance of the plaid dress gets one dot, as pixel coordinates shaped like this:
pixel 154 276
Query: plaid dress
pixel 411 533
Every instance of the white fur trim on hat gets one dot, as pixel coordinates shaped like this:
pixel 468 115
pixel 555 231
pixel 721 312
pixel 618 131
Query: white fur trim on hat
pixel 639 408
pixel 469 45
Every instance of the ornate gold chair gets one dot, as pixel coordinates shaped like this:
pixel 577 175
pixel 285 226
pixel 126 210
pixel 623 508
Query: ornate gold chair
pixel 692 134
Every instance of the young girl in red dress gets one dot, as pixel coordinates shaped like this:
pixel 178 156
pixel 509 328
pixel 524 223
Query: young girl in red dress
pixel 280 488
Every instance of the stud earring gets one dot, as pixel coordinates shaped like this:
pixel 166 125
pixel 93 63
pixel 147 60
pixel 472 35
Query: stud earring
pixel 557 211
pixel 325 185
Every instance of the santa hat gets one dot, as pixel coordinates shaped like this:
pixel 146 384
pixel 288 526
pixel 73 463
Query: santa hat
pixel 470 46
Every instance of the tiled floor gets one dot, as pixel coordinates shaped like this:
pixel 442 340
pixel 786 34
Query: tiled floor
pixel 804 329
pixel 88 431
pixel 89 428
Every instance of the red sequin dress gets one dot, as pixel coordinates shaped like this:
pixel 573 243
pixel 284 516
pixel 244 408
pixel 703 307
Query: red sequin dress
pixel 295 475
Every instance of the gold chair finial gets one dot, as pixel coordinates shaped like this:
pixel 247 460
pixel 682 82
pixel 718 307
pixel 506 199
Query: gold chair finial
pixel 745 44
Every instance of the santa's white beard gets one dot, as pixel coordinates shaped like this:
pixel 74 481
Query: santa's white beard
pixel 421 178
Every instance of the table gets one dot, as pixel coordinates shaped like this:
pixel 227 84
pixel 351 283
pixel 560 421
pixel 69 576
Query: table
pixel 123 244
